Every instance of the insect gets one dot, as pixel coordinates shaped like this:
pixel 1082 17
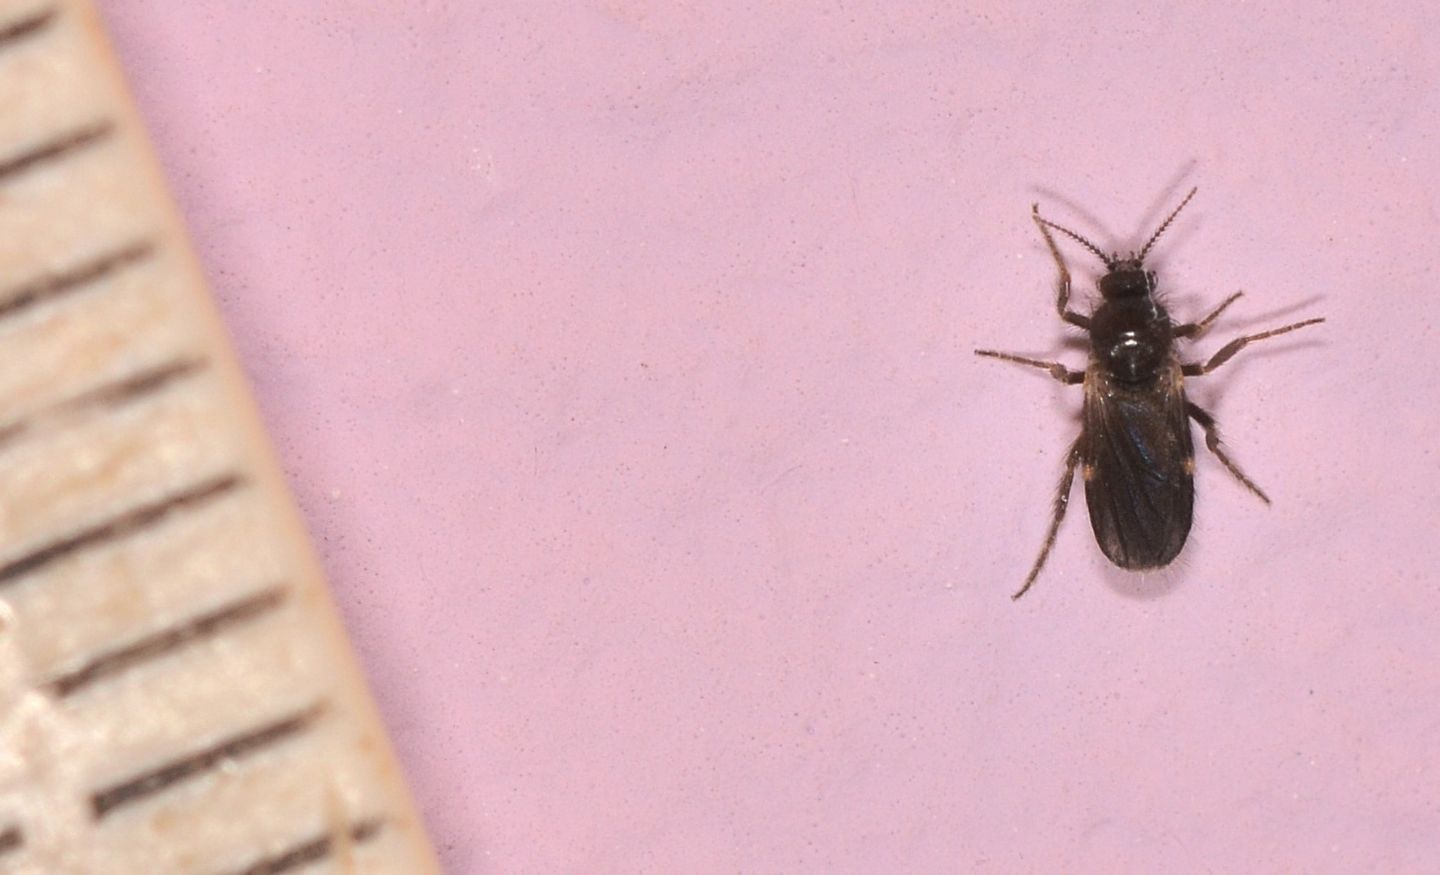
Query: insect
pixel 1134 450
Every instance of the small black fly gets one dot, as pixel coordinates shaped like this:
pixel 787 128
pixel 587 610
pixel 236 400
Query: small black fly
pixel 1134 448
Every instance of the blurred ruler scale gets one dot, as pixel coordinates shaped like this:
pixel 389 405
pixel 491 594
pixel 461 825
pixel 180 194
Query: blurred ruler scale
pixel 176 695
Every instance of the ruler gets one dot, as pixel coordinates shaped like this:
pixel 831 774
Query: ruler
pixel 176 695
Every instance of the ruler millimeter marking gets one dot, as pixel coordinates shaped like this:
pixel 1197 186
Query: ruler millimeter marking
pixel 175 692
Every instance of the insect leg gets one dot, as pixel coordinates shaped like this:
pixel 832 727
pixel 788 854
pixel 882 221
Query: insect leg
pixel 1062 501
pixel 1212 440
pixel 1228 350
pixel 1195 329
pixel 1057 370
pixel 1062 298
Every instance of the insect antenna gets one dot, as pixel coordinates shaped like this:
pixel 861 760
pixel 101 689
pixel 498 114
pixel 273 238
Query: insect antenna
pixel 1035 211
pixel 1165 224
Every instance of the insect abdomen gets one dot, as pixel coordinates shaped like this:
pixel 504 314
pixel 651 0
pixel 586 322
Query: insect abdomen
pixel 1139 484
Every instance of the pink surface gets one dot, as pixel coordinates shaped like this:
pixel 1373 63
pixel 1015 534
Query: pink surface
pixel 620 355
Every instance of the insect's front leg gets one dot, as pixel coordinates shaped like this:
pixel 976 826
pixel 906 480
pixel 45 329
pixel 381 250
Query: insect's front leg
pixel 1062 291
pixel 1057 370
pixel 1195 329
pixel 1229 350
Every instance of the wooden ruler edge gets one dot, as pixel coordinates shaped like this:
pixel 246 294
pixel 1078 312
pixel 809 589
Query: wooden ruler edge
pixel 269 477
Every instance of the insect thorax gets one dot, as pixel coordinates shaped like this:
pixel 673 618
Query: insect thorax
pixel 1131 338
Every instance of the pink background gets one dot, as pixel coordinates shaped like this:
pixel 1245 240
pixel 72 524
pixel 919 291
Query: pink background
pixel 620 355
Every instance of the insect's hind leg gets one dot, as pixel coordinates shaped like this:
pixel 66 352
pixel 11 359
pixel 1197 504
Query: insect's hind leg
pixel 1062 288
pixel 1062 502
pixel 1212 440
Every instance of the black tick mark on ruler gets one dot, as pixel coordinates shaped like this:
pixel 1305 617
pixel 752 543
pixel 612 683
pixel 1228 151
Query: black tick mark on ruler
pixel 57 284
pixel 60 146
pixel 33 25
pixel 222 619
pixel 112 395
pixel 11 839
pixel 147 784
pixel 311 851
pixel 130 522
pixel 138 385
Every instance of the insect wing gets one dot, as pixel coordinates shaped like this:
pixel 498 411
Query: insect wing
pixel 1139 483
